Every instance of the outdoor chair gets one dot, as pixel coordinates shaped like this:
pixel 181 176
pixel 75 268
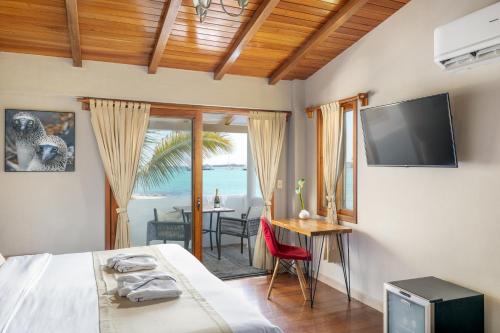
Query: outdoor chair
pixel 244 227
pixel 178 231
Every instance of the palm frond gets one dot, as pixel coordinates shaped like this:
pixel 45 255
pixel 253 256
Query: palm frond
pixel 162 159
pixel 215 143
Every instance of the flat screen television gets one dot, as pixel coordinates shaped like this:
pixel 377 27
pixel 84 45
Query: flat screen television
pixel 417 132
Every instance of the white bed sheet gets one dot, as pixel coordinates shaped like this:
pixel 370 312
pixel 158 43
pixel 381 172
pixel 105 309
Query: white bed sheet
pixel 65 297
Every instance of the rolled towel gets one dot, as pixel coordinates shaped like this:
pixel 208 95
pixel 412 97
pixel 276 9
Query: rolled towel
pixel 130 282
pixel 155 289
pixel 131 262
pixel 111 262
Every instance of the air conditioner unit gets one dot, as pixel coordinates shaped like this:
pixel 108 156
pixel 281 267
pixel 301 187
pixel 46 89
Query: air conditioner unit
pixel 470 40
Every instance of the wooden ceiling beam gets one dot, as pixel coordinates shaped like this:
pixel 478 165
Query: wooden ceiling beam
pixel 251 28
pixel 166 28
pixel 74 32
pixel 335 22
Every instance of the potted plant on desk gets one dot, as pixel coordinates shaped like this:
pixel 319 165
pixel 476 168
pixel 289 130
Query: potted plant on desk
pixel 304 214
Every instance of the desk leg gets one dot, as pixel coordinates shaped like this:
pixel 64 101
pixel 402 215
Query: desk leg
pixel 313 280
pixel 308 264
pixel 346 264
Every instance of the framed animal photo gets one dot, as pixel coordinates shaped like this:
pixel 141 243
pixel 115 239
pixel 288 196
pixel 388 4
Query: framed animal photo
pixel 39 141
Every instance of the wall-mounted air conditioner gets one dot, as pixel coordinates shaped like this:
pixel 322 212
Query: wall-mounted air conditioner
pixel 470 40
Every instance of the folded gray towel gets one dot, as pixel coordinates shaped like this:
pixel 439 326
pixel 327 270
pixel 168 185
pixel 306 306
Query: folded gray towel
pixel 155 289
pixel 130 282
pixel 131 262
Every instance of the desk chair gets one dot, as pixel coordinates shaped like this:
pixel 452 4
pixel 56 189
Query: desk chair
pixel 282 251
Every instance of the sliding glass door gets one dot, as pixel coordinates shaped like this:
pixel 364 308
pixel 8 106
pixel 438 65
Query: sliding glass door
pixel 161 207
pixel 232 202
pixel 168 199
pixel 166 202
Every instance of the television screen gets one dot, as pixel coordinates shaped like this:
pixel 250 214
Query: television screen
pixel 418 132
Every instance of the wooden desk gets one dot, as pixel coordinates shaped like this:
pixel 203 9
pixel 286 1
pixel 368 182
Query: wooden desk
pixel 312 228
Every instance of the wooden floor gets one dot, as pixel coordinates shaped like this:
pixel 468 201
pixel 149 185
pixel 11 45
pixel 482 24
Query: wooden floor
pixel 287 308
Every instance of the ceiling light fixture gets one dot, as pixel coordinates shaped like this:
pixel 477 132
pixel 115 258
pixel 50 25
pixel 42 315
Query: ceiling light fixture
pixel 203 5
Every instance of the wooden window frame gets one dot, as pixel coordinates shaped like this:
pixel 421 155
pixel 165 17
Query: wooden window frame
pixel 348 104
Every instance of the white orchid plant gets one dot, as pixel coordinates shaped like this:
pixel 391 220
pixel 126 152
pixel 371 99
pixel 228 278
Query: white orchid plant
pixel 300 186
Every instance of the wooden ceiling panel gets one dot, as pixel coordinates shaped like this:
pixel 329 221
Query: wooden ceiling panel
pixel 128 31
pixel 33 26
pixel 290 25
pixel 214 37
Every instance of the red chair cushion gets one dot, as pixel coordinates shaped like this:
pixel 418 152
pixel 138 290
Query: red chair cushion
pixel 293 252
pixel 282 251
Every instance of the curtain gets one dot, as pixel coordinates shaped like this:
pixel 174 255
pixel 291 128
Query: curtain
pixel 119 128
pixel 266 132
pixel 333 123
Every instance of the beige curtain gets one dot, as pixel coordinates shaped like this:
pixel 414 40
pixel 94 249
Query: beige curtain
pixel 333 123
pixel 266 132
pixel 119 128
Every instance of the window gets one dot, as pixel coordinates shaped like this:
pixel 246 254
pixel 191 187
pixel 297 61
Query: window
pixel 347 184
pixel 226 170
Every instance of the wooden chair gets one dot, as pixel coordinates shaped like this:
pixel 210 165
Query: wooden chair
pixel 288 252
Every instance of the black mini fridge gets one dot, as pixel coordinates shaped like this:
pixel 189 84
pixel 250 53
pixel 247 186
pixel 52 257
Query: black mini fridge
pixel 432 305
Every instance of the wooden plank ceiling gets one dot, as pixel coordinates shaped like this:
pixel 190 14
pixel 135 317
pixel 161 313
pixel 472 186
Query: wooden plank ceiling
pixel 134 32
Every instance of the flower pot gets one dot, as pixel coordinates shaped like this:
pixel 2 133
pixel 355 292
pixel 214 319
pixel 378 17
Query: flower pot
pixel 304 214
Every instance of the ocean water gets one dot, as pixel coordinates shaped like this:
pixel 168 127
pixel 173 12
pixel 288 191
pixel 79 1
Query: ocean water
pixel 229 181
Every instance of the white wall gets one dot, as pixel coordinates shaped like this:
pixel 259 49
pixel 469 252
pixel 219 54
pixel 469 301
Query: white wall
pixel 52 212
pixel 297 146
pixel 421 221
pixel 64 212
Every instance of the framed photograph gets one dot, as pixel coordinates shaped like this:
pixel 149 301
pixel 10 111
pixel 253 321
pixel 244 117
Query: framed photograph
pixel 39 141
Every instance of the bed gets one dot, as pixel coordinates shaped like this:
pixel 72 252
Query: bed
pixel 64 293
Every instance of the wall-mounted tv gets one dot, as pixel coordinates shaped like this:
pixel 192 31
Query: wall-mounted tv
pixel 417 132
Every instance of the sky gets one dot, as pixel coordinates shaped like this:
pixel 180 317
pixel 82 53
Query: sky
pixel 239 154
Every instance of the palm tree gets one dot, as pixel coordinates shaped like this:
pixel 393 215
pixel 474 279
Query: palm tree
pixel 162 158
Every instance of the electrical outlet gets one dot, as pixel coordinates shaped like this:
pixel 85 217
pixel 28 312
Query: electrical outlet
pixel 279 184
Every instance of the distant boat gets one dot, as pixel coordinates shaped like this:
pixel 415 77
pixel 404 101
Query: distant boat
pixel 244 169
pixel 207 167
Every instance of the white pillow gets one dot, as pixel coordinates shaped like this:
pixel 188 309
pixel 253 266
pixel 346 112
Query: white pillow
pixel 172 216
pixel 2 259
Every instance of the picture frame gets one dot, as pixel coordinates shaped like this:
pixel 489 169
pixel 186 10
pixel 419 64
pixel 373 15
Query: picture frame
pixel 39 141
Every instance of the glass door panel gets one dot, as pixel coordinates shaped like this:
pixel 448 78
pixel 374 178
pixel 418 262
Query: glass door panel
pixel 161 207
pixel 405 316
pixel 232 202
pixel 348 174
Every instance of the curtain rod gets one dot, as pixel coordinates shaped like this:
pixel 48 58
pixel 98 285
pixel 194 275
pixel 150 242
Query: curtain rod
pixel 362 97
pixel 186 107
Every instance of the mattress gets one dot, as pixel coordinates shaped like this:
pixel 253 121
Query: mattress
pixel 57 293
